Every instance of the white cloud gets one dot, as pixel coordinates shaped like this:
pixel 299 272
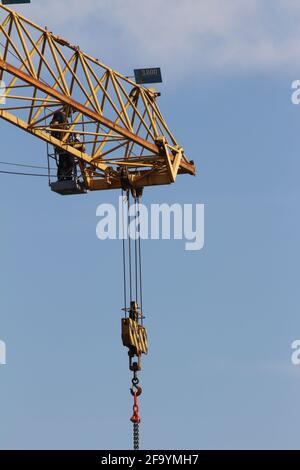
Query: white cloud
pixel 184 36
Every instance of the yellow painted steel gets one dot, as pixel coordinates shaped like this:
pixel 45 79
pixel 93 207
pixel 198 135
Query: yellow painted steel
pixel 118 122
pixel 134 336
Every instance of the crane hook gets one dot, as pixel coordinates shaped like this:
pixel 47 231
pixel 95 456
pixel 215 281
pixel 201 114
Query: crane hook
pixel 136 392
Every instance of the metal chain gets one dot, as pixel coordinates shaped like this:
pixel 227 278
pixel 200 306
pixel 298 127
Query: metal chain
pixel 136 392
pixel 135 381
pixel 136 436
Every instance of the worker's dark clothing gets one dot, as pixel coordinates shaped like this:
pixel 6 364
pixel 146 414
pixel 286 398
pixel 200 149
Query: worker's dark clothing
pixel 65 170
pixel 66 162
pixel 59 118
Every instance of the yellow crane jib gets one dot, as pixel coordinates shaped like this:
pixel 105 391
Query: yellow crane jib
pixel 117 120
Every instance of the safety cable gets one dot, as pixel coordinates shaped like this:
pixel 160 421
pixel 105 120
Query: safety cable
pixel 136 253
pixel 140 271
pixel 124 254
pixel 22 174
pixel 132 257
pixel 25 165
pixel 129 248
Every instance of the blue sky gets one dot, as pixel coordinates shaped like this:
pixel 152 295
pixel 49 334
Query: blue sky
pixel 221 321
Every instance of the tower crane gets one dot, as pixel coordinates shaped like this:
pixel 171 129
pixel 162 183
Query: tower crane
pixel 100 125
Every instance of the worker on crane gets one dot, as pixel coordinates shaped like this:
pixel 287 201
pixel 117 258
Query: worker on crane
pixel 65 161
pixel 66 164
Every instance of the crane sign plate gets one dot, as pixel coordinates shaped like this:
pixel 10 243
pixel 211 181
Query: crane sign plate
pixel 148 76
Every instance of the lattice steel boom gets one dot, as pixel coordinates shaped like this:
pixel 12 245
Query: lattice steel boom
pixel 118 121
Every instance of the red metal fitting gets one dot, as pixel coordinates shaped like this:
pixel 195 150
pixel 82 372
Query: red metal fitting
pixel 136 417
pixel 137 393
